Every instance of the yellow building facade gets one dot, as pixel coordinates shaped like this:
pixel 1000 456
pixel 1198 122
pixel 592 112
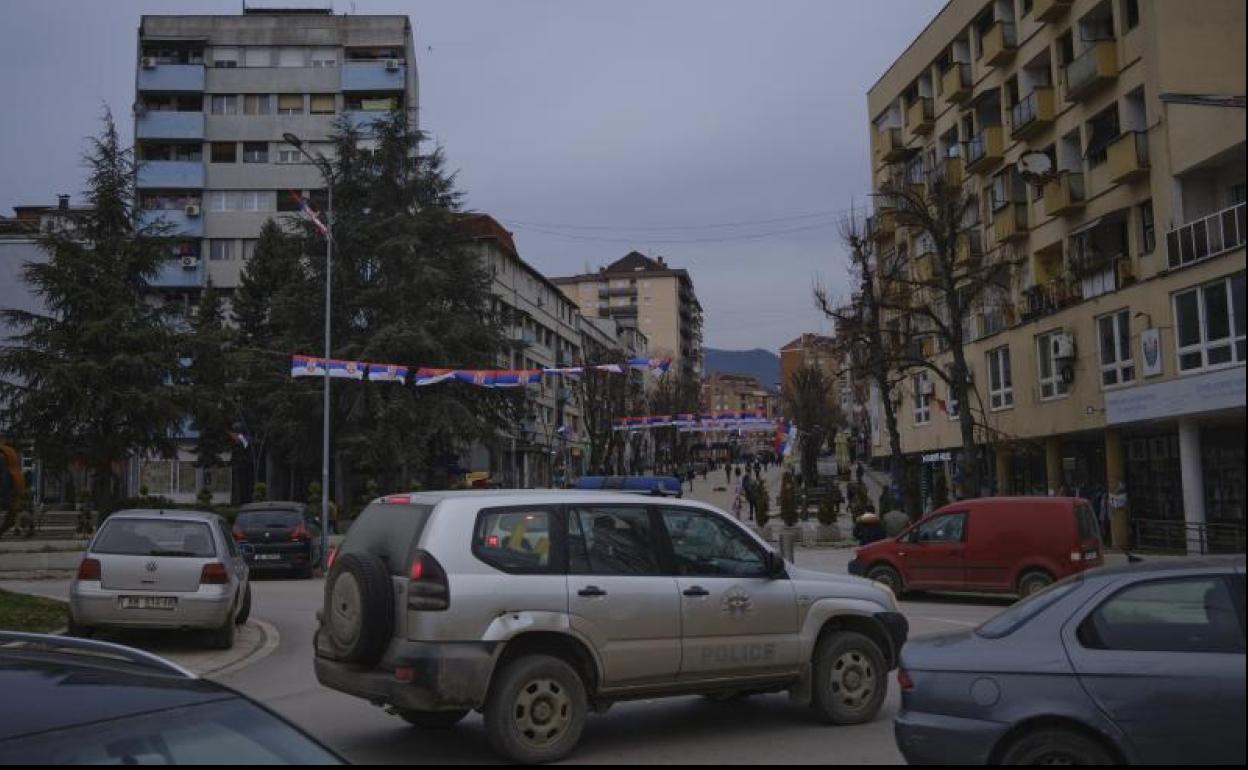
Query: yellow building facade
pixel 1112 366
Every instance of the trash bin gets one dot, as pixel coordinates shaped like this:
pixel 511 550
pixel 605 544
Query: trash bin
pixel 788 545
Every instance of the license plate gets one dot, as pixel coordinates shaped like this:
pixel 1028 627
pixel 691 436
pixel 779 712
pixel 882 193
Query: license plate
pixel 1090 555
pixel 268 556
pixel 149 602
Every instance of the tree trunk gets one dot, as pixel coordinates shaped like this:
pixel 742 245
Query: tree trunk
pixel 966 423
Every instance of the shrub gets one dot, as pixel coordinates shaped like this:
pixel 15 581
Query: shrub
pixel 762 501
pixel 204 498
pixel 788 500
pixel 260 492
pixel 859 501
pixel 827 511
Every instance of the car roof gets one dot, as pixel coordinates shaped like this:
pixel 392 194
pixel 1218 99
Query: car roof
pixel 540 497
pixel 165 513
pixel 1160 565
pixel 61 690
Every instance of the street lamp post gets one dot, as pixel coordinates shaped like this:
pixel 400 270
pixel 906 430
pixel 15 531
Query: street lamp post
pixel 327 173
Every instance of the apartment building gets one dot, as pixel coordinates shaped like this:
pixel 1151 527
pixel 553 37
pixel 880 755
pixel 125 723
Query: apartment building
pixel 651 296
pixel 547 330
pixel 214 96
pixel 723 391
pixel 1116 355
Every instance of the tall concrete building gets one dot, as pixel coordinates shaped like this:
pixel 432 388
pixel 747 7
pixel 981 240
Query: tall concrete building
pixel 214 96
pixel 649 295
pixel 1116 354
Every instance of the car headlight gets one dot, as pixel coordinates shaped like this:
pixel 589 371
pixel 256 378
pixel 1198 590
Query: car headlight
pixel 891 596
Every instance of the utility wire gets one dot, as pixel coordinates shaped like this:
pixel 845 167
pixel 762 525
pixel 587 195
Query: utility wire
pixel 707 226
pixel 643 239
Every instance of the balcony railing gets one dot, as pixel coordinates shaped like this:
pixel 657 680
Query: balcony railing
pixel 956 82
pixel 1064 193
pixel 164 124
pixel 890 146
pixel 172 174
pixel 984 149
pixel 1033 113
pixel 1206 237
pixel 1000 42
pixel 171 77
pixel 1093 67
pixel 920 116
pixel 173 222
pixel 1010 222
pixel 1050 10
pixel 1127 156
pixel 373 76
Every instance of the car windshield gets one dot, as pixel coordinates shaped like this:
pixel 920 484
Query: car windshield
pixel 231 731
pixel 258 519
pixel 155 537
pixel 1021 612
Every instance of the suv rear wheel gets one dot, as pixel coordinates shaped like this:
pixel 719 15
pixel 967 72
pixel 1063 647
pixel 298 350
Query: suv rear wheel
pixel 1033 581
pixel 851 678
pixel 358 618
pixel 432 720
pixel 1055 746
pixel 536 709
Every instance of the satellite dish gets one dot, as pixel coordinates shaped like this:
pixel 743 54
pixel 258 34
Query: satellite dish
pixel 1035 167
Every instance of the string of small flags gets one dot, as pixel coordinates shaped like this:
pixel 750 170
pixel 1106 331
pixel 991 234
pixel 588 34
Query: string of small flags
pixel 419 376
pixel 699 423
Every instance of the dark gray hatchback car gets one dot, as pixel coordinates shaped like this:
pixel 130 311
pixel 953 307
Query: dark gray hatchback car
pixel 1137 664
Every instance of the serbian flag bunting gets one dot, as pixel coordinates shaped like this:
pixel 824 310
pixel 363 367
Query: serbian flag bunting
pixel 346 370
pixel 569 371
pixel 387 373
pixel 427 376
pixel 306 366
pixel 615 368
pixel 516 378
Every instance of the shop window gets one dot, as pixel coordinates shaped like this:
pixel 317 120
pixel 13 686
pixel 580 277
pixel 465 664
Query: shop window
pixel 921 385
pixel 1052 384
pixel 224 152
pixel 255 152
pixel 1209 325
pixel 1000 380
pixel 258 104
pixel 322 104
pixel 1114 332
pixel 290 104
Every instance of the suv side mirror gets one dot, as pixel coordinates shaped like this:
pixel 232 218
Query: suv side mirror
pixel 773 565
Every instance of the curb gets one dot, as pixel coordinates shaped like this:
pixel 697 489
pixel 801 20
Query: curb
pixel 270 639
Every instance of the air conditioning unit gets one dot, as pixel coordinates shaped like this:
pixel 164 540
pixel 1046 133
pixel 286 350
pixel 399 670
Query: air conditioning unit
pixel 149 62
pixel 190 263
pixel 392 65
pixel 191 210
pixel 1063 346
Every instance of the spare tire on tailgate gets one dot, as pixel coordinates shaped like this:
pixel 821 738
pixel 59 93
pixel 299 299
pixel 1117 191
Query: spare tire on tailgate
pixel 358 618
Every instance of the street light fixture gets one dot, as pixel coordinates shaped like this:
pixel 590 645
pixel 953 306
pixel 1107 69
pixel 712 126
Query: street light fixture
pixel 326 173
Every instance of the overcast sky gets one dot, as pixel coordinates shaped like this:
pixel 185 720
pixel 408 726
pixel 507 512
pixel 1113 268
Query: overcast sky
pixel 588 128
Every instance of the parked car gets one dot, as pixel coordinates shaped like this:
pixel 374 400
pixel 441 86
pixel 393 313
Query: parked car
pixel 283 536
pixel 668 486
pixel 1140 663
pixel 162 569
pixel 987 545
pixel 538 607
pixel 89 702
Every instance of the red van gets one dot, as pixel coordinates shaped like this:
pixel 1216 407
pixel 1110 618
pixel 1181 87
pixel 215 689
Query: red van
pixel 990 544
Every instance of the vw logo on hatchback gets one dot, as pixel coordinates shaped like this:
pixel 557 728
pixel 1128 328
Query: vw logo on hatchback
pixel 150 566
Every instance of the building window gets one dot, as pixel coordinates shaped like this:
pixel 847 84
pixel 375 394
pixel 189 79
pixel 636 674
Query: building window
pixel 289 156
pixel 224 104
pixel 1148 230
pixel 291 56
pixel 1000 380
pixel 922 398
pixel 258 56
pixel 1102 131
pixel 257 104
pixel 1114 331
pixel 290 104
pixel 255 152
pixel 1133 13
pixel 224 152
pixel 249 248
pixel 1027 6
pixel 225 57
pixel 952 406
pixel 220 249
pixel 1052 385
pixel 322 104
pixel 1209 324
pixel 324 57
pixel 244 200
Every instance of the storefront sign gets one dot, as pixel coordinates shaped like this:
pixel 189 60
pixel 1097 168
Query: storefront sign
pixel 1194 394
pixel 937 457
pixel 1150 351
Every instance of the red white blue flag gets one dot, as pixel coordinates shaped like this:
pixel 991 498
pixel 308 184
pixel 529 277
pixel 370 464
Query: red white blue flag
pixel 306 209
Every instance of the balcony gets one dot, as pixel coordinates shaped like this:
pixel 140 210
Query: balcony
pixel 883 226
pixel 161 124
pixel 171 77
pixel 1064 193
pixel 985 150
pixel 1033 114
pixel 956 82
pixel 1050 10
pixel 174 174
pixel 1206 237
pixel 363 120
pixel 1090 70
pixel 1010 223
pixel 176 220
pixel 970 248
pixel 1127 157
pixel 1000 43
pixel 890 148
pixel 174 274
pixel 948 171
pixel 920 117
pixel 373 76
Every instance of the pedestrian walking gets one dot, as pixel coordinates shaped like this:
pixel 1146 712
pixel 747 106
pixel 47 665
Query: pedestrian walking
pixel 860 472
pixel 727 474
pixel 737 469
pixel 747 488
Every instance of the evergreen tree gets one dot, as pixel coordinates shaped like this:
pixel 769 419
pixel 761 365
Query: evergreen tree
pixel 208 375
pixel 89 379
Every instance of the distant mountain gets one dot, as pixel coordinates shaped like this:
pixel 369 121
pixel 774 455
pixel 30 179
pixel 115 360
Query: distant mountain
pixel 759 363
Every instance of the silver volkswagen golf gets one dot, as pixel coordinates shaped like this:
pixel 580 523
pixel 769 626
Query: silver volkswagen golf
pixel 162 569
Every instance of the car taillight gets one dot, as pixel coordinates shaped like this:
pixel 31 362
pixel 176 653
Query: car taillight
pixel 904 680
pixel 397 499
pixel 214 574
pixel 89 569
pixel 300 533
pixel 329 560
pixel 239 535
pixel 427 586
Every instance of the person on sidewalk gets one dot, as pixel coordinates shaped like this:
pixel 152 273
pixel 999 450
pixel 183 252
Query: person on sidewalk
pixel 727 474
pixel 860 472
pixel 894 522
pixel 747 489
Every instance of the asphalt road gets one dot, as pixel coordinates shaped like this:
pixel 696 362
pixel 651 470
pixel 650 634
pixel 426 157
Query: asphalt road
pixel 688 730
